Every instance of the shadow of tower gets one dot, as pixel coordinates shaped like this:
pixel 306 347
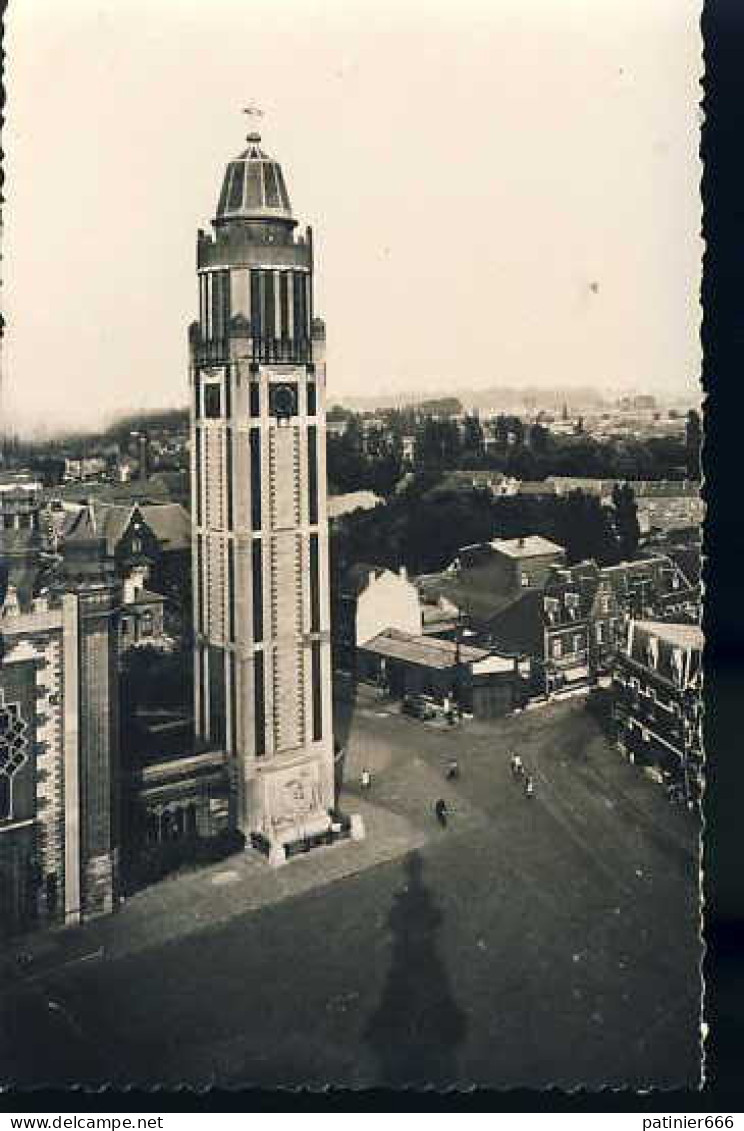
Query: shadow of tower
pixel 417 1027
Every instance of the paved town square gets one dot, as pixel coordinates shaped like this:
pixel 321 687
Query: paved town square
pixel 528 942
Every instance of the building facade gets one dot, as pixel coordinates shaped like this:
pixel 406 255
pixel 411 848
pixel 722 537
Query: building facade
pixel 509 562
pixel 259 511
pixel 58 758
pixel 657 701
pixel 371 600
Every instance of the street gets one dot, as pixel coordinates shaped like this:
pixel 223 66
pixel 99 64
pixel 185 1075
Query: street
pixel 551 941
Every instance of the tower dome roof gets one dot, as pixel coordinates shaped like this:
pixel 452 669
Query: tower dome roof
pixel 253 187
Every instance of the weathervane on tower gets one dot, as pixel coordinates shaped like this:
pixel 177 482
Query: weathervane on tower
pixel 254 115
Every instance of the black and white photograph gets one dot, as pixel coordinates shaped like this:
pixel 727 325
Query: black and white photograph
pixel 351 545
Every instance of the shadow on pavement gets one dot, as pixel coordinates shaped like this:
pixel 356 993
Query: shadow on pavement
pixel 417 1028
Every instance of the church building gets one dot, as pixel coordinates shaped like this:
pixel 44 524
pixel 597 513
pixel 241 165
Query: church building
pixel 59 745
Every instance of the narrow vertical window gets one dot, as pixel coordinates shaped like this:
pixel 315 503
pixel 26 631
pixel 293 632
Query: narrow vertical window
pixel 269 309
pixel 259 704
pixel 216 305
pixel 255 442
pixel 204 306
pixel 284 304
pixel 197 394
pixel 317 669
pixel 257 576
pixel 202 691
pixel 314 584
pixel 312 474
pixel 231 588
pixel 200 584
pixel 298 282
pixel 254 399
pixel 228 393
pixel 308 304
pixel 217 729
pixel 212 401
pixel 198 475
pixel 233 703
pixel 312 399
pixel 229 475
pixel 255 310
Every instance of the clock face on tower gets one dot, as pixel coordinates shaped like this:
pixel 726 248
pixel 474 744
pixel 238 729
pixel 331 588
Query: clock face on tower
pixel 283 400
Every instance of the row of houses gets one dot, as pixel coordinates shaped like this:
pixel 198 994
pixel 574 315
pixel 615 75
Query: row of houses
pixel 148 545
pixel 508 623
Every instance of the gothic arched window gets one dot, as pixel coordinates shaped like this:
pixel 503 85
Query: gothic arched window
pixel 13 752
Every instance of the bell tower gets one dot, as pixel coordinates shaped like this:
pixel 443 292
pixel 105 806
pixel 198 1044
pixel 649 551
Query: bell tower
pixel 259 513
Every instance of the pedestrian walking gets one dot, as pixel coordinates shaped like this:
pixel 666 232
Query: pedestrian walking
pixel 440 811
pixel 529 787
pixel 453 770
pixel 517 766
pixel 365 780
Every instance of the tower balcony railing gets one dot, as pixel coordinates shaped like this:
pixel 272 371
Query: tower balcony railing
pixel 264 351
pixel 282 350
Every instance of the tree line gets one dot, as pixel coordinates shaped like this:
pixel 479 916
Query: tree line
pixel 372 454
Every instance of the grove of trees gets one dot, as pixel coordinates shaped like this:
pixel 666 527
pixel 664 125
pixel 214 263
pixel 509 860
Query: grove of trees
pixel 370 453
pixel 423 526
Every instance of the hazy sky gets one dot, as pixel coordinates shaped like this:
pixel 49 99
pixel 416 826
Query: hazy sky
pixel 503 191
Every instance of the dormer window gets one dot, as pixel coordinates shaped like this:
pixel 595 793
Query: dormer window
pixel 678 665
pixel 652 652
pixel 551 606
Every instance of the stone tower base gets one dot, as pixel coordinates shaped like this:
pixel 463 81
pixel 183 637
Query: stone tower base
pixel 321 831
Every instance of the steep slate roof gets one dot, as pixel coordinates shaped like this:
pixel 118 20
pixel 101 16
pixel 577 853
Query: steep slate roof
pixel 689 561
pixel 83 527
pixel 170 523
pixel 100 520
pixel 518 624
